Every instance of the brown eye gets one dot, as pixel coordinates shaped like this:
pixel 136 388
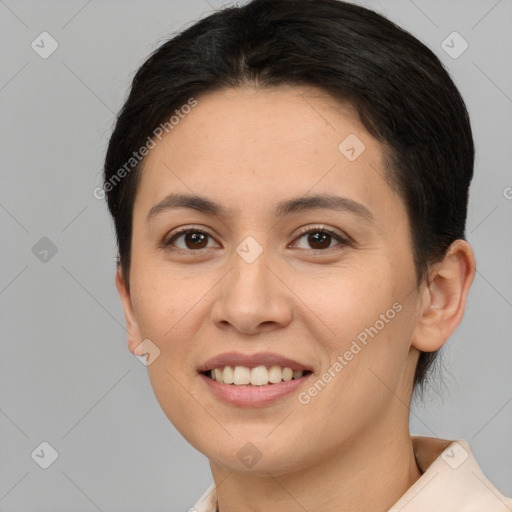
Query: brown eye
pixel 191 239
pixel 195 240
pixel 321 239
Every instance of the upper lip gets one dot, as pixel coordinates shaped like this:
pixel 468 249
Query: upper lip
pixel 251 360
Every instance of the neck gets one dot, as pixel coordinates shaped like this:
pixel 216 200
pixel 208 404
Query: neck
pixel 368 474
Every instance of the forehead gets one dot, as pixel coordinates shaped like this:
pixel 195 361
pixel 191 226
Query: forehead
pixel 250 148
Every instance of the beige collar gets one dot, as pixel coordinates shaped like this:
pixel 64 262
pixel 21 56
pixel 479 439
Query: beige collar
pixel 428 449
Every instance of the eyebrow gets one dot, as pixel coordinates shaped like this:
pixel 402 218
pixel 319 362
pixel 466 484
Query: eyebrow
pixel 284 208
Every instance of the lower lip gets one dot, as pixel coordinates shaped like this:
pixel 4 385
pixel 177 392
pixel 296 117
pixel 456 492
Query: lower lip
pixel 253 396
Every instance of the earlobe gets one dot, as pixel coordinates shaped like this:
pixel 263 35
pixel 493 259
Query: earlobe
pixel 132 327
pixel 444 297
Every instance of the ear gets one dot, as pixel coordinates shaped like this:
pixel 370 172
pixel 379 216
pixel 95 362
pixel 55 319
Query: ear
pixel 444 297
pixel 132 327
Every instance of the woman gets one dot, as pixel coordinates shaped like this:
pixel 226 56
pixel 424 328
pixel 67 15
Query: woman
pixel 289 183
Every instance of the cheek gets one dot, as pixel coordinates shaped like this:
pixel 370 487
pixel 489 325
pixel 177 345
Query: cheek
pixel 370 318
pixel 163 305
pixel 352 298
pixel 365 369
pixel 168 312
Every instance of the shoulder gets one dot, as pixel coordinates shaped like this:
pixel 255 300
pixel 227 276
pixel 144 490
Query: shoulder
pixel 452 481
pixel 207 502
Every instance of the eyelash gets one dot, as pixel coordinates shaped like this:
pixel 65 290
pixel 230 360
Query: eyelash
pixel 315 229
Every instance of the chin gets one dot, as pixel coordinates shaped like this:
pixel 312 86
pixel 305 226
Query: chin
pixel 257 456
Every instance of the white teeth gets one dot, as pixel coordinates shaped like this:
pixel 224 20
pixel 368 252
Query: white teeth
pixel 275 375
pixel 241 375
pixel 257 376
pixel 226 375
pixel 287 374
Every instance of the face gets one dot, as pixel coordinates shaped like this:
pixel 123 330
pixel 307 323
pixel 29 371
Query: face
pixel 277 269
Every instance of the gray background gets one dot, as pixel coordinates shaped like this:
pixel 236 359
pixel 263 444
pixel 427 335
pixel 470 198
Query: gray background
pixel 67 377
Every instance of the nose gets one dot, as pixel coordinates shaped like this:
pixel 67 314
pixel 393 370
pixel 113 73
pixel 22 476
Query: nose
pixel 253 297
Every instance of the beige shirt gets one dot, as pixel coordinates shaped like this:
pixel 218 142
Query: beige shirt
pixel 451 481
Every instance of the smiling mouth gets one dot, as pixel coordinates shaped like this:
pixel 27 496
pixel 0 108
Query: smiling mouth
pixel 254 376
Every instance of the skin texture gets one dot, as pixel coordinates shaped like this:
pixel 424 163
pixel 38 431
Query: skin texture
pixel 247 149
